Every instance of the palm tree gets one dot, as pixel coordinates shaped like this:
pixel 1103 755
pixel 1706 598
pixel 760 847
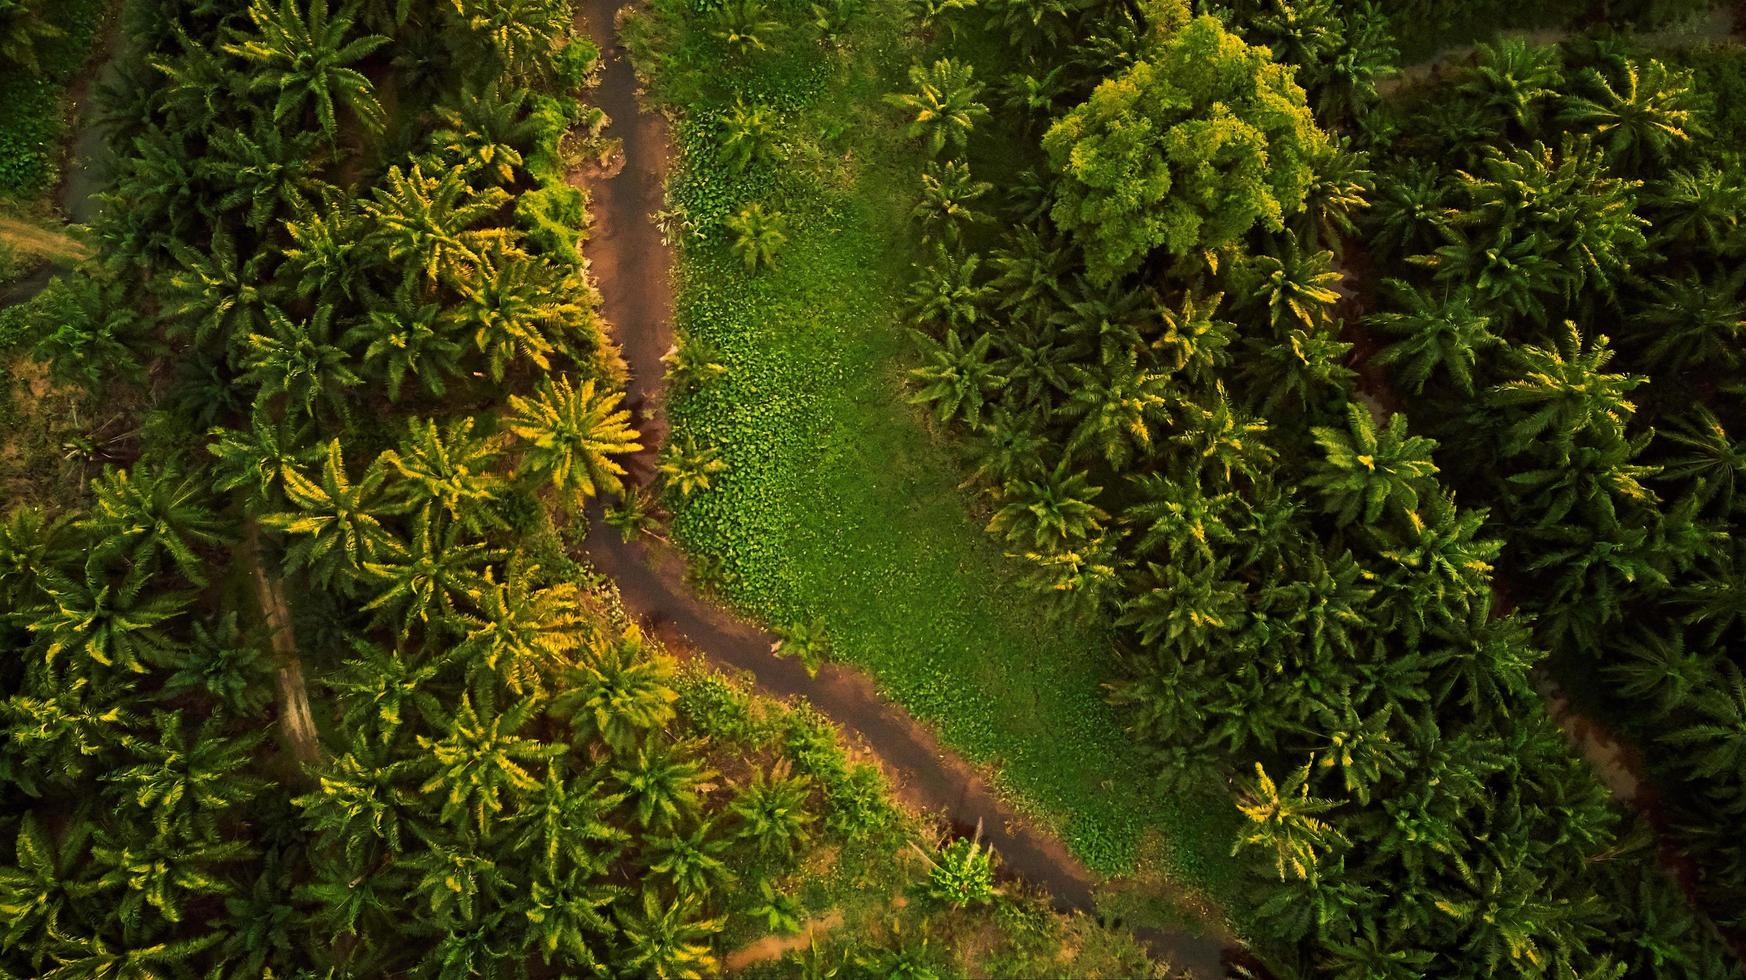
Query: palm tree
pixel 1054 512
pixel 943 107
pixel 517 307
pixel 1715 741
pixel 692 362
pixel 1660 669
pixel 54 742
pixel 1561 392
pixel 254 461
pixel 1176 516
pixel 449 471
pixel 266 171
pixel 748 136
pixel 305 59
pixel 945 206
pixel 485 131
pixel 1409 210
pixel 1304 367
pixel 956 380
pixel 565 827
pixel 1692 321
pixel 427 219
pixel 1222 439
pixel 804 640
pixel 328 248
pixel 216 291
pixel 692 863
pixel 1081 579
pixel 1441 336
pixel 962 874
pixel 42 884
pixel 334 526
pixel 1700 208
pixel 566 916
pixel 1297 286
pixel 188 783
pixel 618 692
pixel 147 514
pixel 300 362
pixel 758 235
pixel 481 761
pixel 777 913
pixel 744 26
pixel 516 34
pixel 663 782
pixel 162 873
pixel 689 468
pixel 772 811
pixel 571 436
pixel 423 584
pixel 1117 407
pixel 98 618
pixel 1513 81
pixel 1286 820
pixel 1712 461
pixel 1642 120
pixel 455 877
pixel 379 690
pixel 23 28
pixel 1034 24
pixel 407 337
pixel 1191 342
pixel 667 941
pixel 1368 470
pixel 522 633
pixel 945 293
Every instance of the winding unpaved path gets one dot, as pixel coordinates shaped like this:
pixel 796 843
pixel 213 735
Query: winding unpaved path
pixel 633 269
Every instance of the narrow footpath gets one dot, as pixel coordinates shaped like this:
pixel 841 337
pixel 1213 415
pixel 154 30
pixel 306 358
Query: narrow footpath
pixel 632 267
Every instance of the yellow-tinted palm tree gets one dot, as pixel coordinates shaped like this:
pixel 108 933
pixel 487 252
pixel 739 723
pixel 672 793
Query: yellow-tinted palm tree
pixel 572 434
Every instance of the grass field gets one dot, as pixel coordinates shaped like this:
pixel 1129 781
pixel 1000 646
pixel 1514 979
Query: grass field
pixel 842 505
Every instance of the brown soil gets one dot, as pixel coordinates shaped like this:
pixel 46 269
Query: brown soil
pixel 775 947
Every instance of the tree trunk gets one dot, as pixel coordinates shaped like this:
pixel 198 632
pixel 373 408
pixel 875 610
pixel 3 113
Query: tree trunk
pixel 295 719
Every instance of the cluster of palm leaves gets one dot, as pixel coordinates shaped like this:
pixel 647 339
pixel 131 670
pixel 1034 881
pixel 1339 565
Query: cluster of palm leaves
pixel 1190 453
pixel 382 386
pixel 1571 314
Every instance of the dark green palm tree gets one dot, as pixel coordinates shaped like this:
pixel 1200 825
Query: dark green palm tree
pixel 748 136
pixel 304 57
pixel 1513 81
pixel 1116 408
pixel 946 293
pixel 621 690
pixel 149 514
pixel 24 28
pixel 518 309
pixel 663 783
pixel 335 524
pixel 1440 335
pixel 301 362
pixel 485 131
pixel 667 940
pixel 693 863
pixel 948 192
pixel 1562 392
pixel 451 472
pixel 480 764
pixel 253 461
pixel 429 221
pixel 943 109
pixel 98 620
pixel 42 884
pixel 956 379
pixel 407 337
pixel 688 467
pixel 187 782
pixel 422 585
pixel 772 811
pixel 1056 510
pixel 1643 118
pixel 1297 287
pixel 1371 469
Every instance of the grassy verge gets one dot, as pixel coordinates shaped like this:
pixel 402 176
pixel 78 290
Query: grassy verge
pixel 841 504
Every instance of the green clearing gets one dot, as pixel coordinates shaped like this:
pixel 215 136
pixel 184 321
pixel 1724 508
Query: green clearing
pixel 842 504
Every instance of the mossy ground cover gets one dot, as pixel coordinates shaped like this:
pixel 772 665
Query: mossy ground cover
pixel 32 120
pixel 841 504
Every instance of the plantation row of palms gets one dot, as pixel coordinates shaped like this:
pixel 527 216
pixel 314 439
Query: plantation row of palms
pixel 1141 341
pixel 1597 387
pixel 380 389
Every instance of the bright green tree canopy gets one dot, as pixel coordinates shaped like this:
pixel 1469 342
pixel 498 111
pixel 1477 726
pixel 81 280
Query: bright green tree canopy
pixel 1186 149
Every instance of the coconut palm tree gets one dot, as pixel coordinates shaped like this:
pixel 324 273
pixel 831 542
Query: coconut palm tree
pixel 1707 457
pixel 24 27
pixel 1641 120
pixel 485 131
pixel 1369 469
pixel 519 631
pixel 945 293
pixel 693 863
pixel 148 514
pixel 1298 287
pixel 771 811
pixel 1700 208
pixel 748 136
pixel 516 35
pixel 98 621
pixel 1116 407
pixel 300 363
pixel 304 57
pixel 1287 821
pixel 689 468
pixel 1441 336
pixel 220 294
pixel 565 828
pixel 947 194
pixel 1513 81
pixel 426 582
pixel 1560 393
pixel 407 336
pixel 745 26
pixel 1191 341
pixel 429 221
pixel 42 884
pixel 187 782
pixel 335 524
pixel 618 692
pixel 449 471
pixel 692 362
pixel 943 108
pixel 1055 511
pixel 667 940
pixel 570 436
pixel 481 762
pixel 663 782
pixel 758 235
pixel 957 380
pixel 253 461
pixel 517 308
pixel 1176 518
